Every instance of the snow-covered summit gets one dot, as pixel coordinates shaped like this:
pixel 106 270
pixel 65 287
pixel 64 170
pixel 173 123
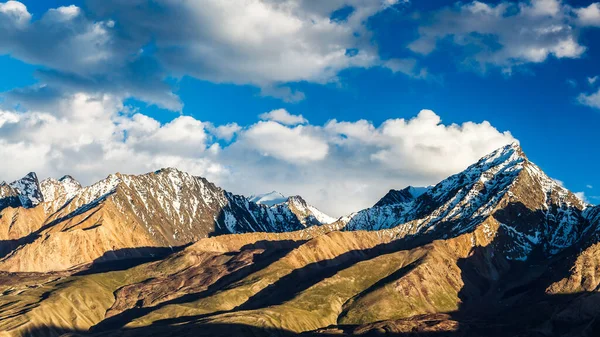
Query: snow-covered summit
pixel 63 188
pixel 24 192
pixel 269 199
pixel 308 214
pixel 173 206
pixel 532 209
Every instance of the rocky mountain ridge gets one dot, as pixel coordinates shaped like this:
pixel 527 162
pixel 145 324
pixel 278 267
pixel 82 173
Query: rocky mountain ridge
pixel 531 209
pixel 117 215
pixel 499 249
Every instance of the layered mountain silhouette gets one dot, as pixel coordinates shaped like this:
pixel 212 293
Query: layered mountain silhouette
pixel 499 249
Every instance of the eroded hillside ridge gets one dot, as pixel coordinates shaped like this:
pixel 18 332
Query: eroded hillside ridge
pixel 63 224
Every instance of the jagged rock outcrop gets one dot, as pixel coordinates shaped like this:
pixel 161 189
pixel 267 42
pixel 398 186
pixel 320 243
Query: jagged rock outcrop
pixel 24 192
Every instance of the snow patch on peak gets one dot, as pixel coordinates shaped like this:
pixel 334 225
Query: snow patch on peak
pixel 308 212
pixel 85 195
pixel 460 199
pixel 64 188
pixel 418 191
pixel 269 199
pixel 511 153
pixel 28 190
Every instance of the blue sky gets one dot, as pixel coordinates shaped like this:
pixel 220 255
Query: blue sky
pixel 188 92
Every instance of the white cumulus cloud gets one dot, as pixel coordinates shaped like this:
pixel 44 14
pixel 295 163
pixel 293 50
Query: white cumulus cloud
pixel 295 144
pixel 504 34
pixel 129 48
pixel 340 166
pixel 283 116
pixel 590 15
pixel 590 99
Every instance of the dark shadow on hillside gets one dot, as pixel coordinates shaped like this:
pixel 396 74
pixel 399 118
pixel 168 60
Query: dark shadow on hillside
pixel 220 330
pixel 122 259
pixel 259 262
pixel 509 298
pixel 513 304
pixel 287 287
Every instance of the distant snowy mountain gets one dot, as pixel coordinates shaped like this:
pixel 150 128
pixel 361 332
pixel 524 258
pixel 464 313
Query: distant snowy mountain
pixel 308 214
pixel 269 199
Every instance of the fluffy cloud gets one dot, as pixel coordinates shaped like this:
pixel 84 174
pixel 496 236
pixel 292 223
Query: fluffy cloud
pixel 422 144
pixel 130 47
pixel 296 145
pixel 283 116
pixel 93 135
pixel 590 15
pixel 226 132
pixel 184 136
pixel 341 166
pixel 348 165
pixel 78 53
pixel 505 34
pixel 592 100
pixel 581 196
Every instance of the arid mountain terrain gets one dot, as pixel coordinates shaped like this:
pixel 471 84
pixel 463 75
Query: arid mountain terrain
pixel 57 224
pixel 499 249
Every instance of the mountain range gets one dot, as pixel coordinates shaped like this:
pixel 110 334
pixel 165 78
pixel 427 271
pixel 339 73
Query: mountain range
pixel 499 249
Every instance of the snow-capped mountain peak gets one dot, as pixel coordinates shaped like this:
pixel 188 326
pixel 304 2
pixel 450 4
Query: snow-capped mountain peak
pixel 504 185
pixel 27 189
pixel 308 213
pixel 269 199
pixel 64 188
pixel 174 207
